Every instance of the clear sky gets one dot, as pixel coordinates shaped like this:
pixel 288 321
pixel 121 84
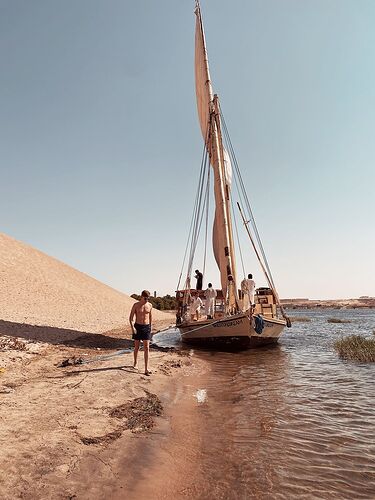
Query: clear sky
pixel 100 146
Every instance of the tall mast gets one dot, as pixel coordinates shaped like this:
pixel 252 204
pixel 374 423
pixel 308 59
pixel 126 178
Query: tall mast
pixel 233 301
pixel 209 116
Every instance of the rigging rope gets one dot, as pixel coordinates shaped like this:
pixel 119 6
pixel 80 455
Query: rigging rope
pixel 247 203
pixel 238 238
pixel 199 208
pixel 193 219
pixel 198 222
pixel 265 266
pixel 207 211
pixel 186 249
pixel 191 224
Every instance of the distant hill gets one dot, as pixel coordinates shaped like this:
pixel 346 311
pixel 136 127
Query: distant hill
pixel 362 302
pixel 37 289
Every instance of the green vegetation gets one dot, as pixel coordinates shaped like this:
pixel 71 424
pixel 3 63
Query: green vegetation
pixel 338 320
pixel 165 303
pixel 299 319
pixel 356 348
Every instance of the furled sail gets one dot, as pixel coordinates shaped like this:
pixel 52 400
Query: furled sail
pixel 219 158
pixel 203 86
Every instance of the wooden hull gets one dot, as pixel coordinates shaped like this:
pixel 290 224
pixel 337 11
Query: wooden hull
pixel 238 329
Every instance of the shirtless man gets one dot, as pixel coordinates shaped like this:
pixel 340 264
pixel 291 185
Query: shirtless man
pixel 142 310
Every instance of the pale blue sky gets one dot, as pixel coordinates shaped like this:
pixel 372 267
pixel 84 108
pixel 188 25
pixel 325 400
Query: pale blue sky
pixel 100 145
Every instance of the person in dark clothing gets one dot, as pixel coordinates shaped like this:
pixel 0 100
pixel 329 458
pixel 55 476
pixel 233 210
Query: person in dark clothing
pixel 142 310
pixel 199 277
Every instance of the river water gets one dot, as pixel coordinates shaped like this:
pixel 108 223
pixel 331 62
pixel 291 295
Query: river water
pixel 289 421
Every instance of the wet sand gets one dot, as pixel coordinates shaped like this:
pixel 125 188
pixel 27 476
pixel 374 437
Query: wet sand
pixel 81 431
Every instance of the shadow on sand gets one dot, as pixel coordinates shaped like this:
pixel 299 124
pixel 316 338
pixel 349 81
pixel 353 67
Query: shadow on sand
pixel 63 336
pixel 124 368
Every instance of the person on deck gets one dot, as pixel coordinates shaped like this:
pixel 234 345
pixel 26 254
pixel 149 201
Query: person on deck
pixel 142 310
pixel 248 290
pixel 195 307
pixel 210 295
pixel 232 309
pixel 199 277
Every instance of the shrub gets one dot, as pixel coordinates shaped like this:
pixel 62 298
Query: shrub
pixel 338 320
pixel 162 303
pixel 299 319
pixel 356 348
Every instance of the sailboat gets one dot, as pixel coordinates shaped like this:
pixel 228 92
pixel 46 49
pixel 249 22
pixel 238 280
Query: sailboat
pixel 235 319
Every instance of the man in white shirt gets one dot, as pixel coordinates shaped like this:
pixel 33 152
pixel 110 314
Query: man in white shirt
pixel 195 307
pixel 248 290
pixel 210 295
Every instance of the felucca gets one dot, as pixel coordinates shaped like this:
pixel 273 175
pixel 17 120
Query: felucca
pixel 233 320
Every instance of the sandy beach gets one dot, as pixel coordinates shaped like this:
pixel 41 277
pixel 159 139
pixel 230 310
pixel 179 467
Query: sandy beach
pixel 78 422
pixel 62 427
pixel 74 431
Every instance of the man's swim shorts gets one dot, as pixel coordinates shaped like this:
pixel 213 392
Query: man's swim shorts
pixel 143 332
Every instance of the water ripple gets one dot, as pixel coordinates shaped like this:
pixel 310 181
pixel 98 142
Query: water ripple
pixel 291 421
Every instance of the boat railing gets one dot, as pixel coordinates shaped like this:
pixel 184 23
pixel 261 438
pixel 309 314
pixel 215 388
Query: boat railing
pixel 265 302
pixel 184 301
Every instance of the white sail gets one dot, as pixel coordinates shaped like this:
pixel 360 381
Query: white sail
pixel 203 86
pixel 219 158
pixel 260 323
pixel 227 168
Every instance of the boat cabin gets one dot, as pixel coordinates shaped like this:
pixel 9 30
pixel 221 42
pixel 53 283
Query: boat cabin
pixel 265 303
pixel 182 306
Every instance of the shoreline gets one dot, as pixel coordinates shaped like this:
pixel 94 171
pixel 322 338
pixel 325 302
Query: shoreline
pixel 64 430
pixel 60 427
pixel 328 304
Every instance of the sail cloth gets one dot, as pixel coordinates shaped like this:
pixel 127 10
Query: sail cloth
pixel 218 231
pixel 204 94
pixel 227 168
pixel 203 86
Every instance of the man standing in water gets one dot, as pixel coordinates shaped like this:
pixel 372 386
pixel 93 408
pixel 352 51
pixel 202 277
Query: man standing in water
pixel 143 319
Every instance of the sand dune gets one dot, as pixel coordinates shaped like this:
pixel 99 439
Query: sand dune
pixel 37 289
